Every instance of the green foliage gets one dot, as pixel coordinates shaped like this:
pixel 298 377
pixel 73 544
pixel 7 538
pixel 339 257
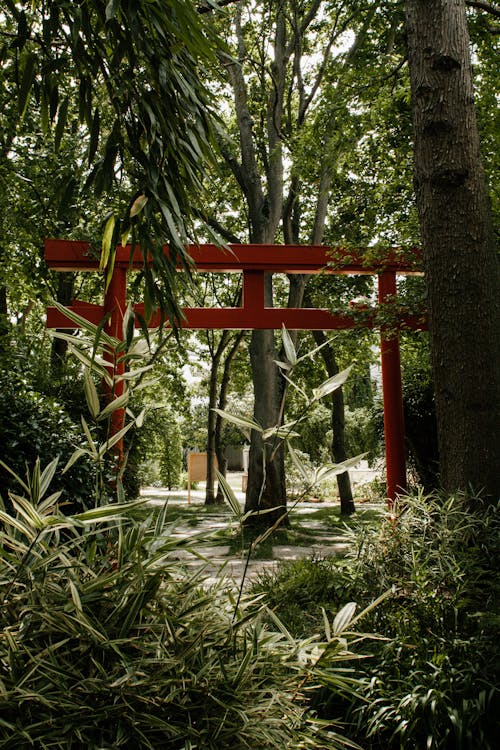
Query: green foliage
pixel 32 426
pixel 160 449
pixel 420 410
pixel 108 642
pixel 126 76
pixel 433 679
pixel 361 432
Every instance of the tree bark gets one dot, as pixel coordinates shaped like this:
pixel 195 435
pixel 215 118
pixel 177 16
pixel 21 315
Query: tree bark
pixel 347 507
pixel 461 264
pixel 219 422
pixel 210 497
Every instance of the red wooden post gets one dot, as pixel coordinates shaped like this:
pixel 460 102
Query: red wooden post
pixel 115 303
pixel 392 392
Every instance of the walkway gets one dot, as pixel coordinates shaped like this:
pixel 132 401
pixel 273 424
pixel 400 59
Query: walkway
pixel 216 558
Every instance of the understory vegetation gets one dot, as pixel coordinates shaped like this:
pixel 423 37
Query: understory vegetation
pixel 109 642
pixel 432 677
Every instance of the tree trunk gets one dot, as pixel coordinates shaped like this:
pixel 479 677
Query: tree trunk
pixel 460 258
pixel 210 498
pixel 224 385
pixel 347 506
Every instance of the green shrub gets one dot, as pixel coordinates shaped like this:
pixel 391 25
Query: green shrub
pixel 159 449
pixel 432 681
pixel 34 425
pixel 109 642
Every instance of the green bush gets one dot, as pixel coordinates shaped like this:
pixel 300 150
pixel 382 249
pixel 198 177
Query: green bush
pixel 432 680
pixel 108 642
pixel 34 425
pixel 159 449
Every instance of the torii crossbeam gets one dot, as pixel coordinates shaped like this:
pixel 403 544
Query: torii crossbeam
pixel 254 261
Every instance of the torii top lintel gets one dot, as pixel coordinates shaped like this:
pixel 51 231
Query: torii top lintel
pixel 72 255
pixel 253 261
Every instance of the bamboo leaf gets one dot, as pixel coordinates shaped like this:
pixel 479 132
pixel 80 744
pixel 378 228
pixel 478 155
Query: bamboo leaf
pixel 75 596
pixel 107 238
pixel 26 83
pixel 91 394
pixel 111 512
pixel 118 403
pixel 343 618
pixel 289 347
pixel 114 439
pixel 331 384
pixel 229 495
pixel 86 325
pixel 298 463
pixel 62 118
pixel 16 476
pixel 16 524
pixel 111 267
pixel 138 205
pixel 88 435
pixel 94 135
pixel 326 472
pixel 78 453
pixel 281 431
pixel 283 365
pixel 27 511
pixel 244 422
pixel 47 477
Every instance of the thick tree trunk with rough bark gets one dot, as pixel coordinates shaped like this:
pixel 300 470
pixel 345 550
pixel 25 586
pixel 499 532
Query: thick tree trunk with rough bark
pixel 460 257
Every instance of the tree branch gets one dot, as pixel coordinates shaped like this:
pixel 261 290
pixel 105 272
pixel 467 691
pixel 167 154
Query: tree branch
pixel 490 8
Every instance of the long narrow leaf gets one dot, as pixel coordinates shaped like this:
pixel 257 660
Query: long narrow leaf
pixel 248 424
pixel 288 346
pixel 114 439
pixel 118 403
pixel 16 476
pixel 47 477
pixel 331 384
pixel 229 495
pixel 91 394
pixel 86 325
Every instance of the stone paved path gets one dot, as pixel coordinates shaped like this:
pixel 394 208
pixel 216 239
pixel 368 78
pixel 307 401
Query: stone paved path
pixel 218 557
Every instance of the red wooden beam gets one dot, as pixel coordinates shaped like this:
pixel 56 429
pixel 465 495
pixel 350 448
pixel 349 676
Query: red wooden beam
pixel 71 255
pixel 392 394
pixel 238 318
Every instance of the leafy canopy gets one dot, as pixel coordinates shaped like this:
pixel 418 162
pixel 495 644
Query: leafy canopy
pixel 131 71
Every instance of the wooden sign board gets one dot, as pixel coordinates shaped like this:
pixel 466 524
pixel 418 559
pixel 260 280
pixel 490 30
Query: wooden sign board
pixel 197 469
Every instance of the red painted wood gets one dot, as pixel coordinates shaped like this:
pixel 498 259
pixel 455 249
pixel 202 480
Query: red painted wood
pixel 254 261
pixel 70 255
pixel 238 318
pixel 393 397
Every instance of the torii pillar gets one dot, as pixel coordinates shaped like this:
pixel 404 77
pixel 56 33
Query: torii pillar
pixel 392 393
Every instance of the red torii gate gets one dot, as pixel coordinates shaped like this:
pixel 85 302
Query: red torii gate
pixel 253 261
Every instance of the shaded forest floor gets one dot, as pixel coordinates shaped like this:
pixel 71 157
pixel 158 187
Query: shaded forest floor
pixel 220 546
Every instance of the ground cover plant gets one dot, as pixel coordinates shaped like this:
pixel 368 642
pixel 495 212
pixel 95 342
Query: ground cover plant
pixel 432 681
pixel 108 642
